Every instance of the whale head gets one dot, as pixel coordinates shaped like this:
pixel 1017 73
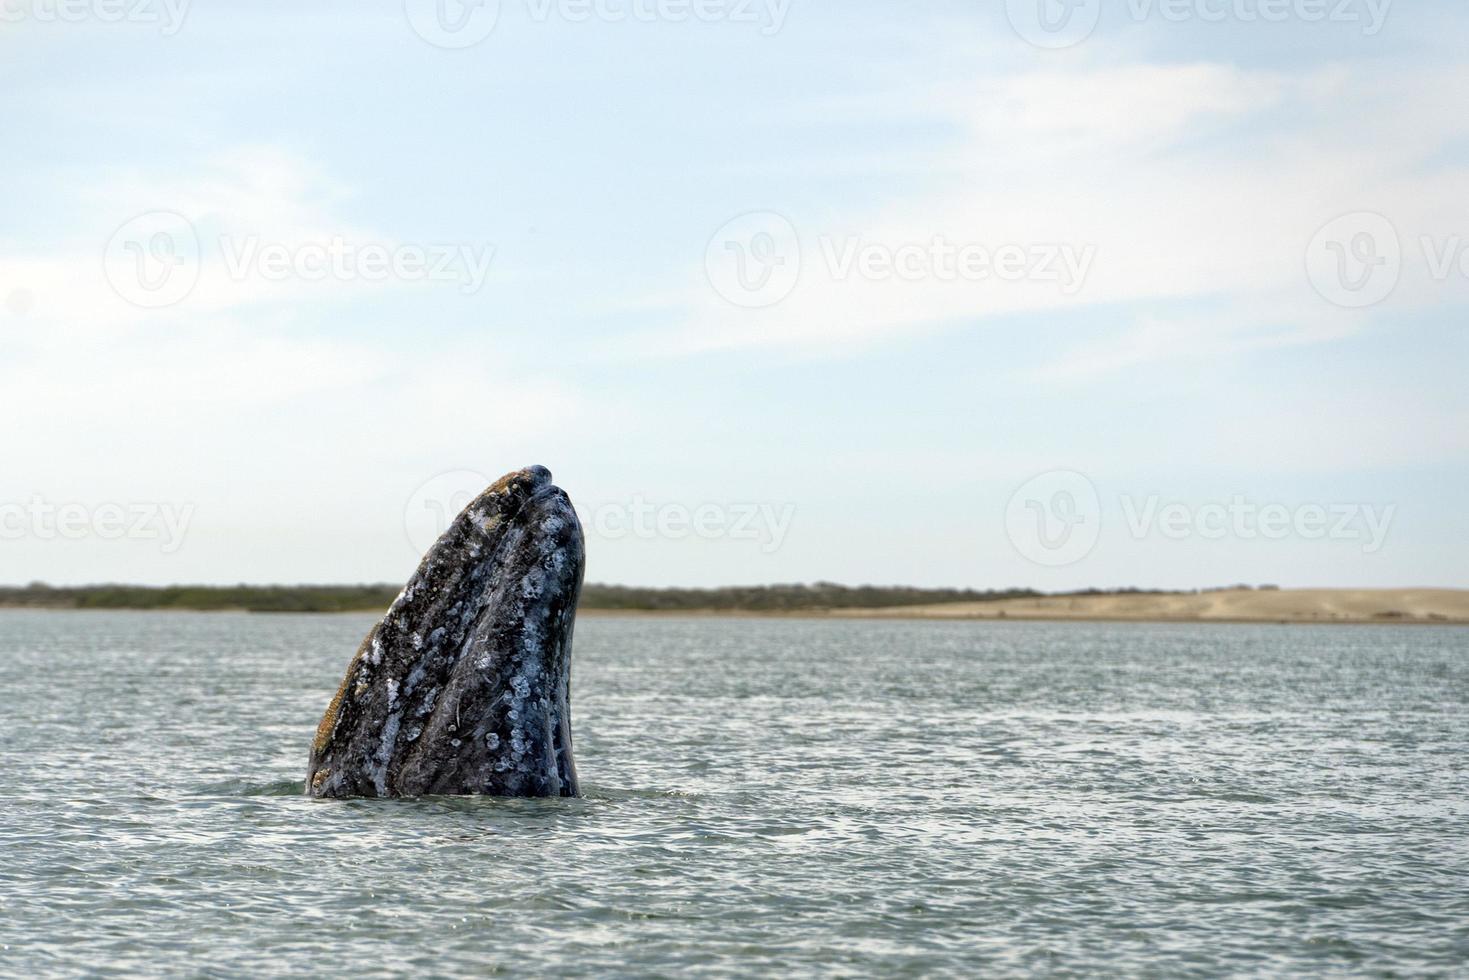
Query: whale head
pixel 464 687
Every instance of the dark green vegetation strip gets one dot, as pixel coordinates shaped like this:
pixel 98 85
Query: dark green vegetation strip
pixel 274 598
pixel 376 598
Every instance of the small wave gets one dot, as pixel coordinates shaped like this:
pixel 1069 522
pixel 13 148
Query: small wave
pixel 246 787
pixel 590 794
pixel 608 794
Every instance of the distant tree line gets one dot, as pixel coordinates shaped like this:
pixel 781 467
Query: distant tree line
pixel 205 598
pixel 376 598
pixel 783 598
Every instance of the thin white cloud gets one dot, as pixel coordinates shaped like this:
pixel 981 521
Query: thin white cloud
pixel 1187 182
pixel 1151 339
pixel 235 346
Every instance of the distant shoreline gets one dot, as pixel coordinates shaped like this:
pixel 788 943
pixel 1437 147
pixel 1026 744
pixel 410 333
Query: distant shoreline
pixel 378 596
pixel 1381 607
pixel 830 615
pixel 1434 607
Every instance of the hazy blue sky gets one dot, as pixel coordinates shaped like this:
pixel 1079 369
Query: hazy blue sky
pixel 278 283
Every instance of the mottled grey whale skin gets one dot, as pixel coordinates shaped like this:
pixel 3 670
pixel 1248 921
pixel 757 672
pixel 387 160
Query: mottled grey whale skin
pixel 464 687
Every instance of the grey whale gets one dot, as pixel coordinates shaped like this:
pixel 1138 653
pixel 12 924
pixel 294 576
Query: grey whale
pixel 464 687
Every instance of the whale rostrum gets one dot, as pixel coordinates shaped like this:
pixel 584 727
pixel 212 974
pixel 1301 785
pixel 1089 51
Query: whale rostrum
pixel 464 687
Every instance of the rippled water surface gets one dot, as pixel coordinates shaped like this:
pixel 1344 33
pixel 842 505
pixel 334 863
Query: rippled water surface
pixel 762 797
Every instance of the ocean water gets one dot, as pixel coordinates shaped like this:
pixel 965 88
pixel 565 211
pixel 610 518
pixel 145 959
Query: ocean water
pixel 771 798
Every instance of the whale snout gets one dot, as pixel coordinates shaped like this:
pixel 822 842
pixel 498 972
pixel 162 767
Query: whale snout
pixel 522 483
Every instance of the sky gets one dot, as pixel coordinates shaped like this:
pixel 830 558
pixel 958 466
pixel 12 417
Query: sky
pixel 1044 293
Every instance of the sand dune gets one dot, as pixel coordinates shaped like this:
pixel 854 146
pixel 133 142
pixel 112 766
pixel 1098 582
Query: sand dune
pixel 1235 605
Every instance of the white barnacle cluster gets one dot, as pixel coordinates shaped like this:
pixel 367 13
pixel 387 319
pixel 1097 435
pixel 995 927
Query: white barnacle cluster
pixel 380 759
pixel 533 585
pixel 503 764
pixel 517 741
pixel 410 685
pixel 534 639
pixel 485 521
pixel 522 684
pixel 372 657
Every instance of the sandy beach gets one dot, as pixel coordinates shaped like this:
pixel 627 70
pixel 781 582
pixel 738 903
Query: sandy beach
pixel 1235 605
